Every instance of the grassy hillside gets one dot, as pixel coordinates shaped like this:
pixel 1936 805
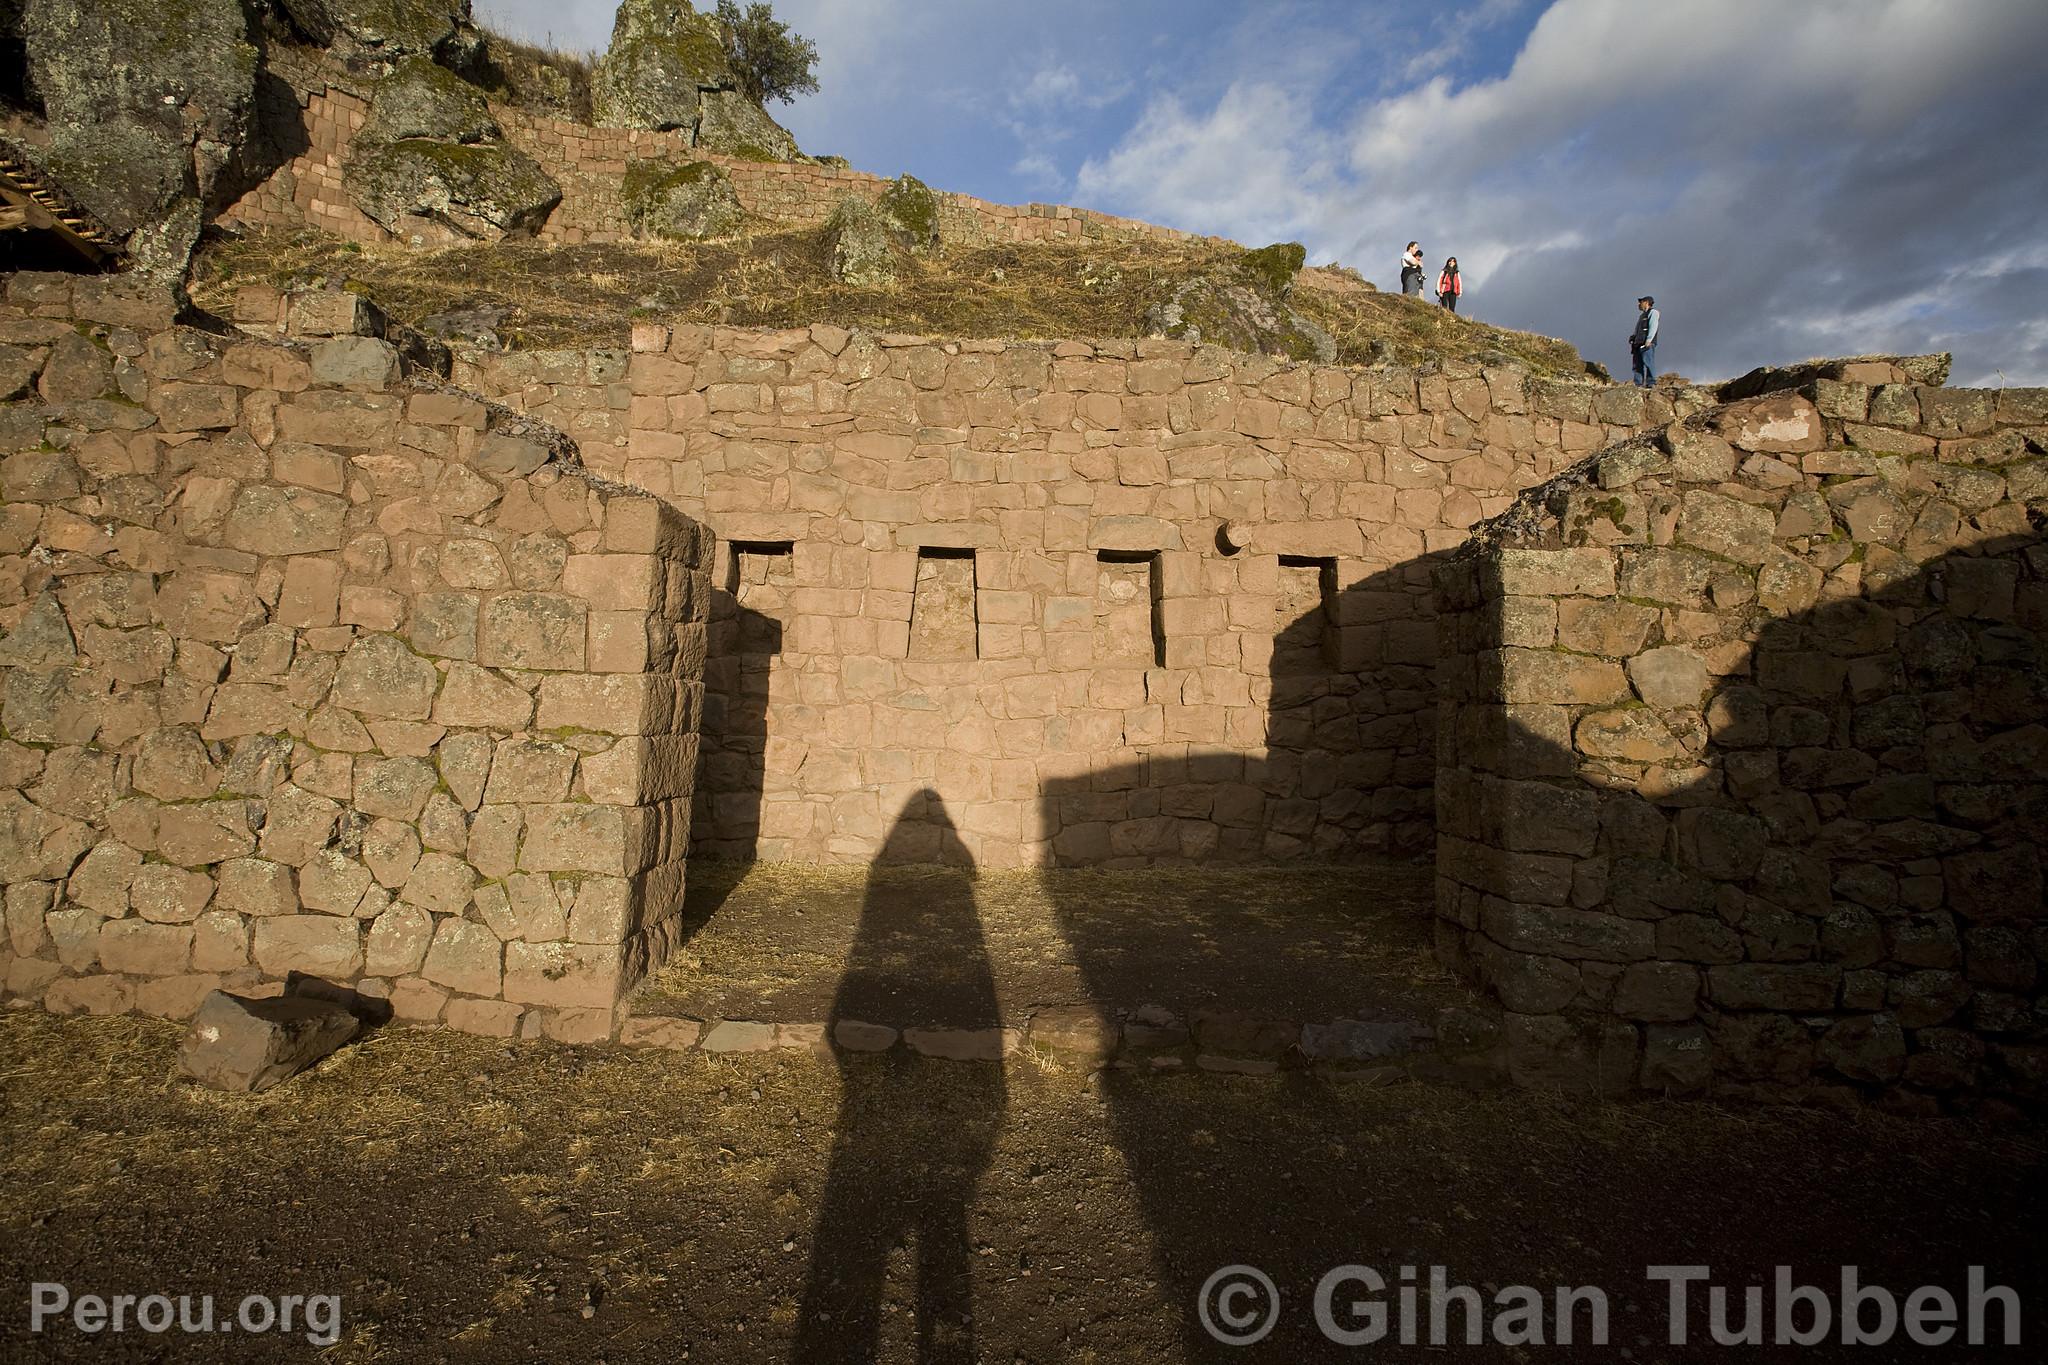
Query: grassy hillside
pixel 557 296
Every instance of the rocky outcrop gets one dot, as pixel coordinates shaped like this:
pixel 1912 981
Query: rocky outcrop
pixel 421 99
pixel 388 30
pixel 666 70
pixel 148 105
pixel 681 203
pixel 913 214
pixel 731 123
pixel 1244 307
pixel 869 242
pixel 863 248
pixel 431 164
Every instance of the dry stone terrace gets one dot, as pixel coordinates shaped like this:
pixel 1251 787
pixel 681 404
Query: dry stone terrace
pixel 590 163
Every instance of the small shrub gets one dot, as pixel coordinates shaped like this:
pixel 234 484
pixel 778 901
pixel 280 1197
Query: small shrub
pixel 769 61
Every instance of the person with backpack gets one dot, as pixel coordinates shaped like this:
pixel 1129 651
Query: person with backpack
pixel 1411 271
pixel 1642 343
pixel 1450 284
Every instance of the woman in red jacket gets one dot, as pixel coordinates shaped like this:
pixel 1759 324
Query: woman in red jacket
pixel 1450 284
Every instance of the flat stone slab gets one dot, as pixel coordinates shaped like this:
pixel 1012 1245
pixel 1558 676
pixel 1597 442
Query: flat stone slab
pixel 1153 1039
pixel 245 1045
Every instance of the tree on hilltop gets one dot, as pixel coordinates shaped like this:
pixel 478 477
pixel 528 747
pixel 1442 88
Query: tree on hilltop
pixel 770 62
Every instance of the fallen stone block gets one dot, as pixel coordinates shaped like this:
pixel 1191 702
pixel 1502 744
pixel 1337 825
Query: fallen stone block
pixel 246 1045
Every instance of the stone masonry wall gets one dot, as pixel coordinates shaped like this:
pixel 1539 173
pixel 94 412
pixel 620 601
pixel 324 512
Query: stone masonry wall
pixel 590 163
pixel 312 668
pixel 1742 764
pixel 999 571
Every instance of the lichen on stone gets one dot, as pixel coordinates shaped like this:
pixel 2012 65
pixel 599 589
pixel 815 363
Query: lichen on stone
pixel 662 53
pixel 913 211
pixel 685 202
pixel 863 243
pixel 148 105
pixel 421 99
pixel 476 189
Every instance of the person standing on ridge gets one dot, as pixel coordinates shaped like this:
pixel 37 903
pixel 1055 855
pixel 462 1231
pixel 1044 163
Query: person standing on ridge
pixel 1450 284
pixel 1411 270
pixel 1642 343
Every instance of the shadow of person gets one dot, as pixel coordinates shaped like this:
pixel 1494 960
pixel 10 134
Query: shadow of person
pixel 1346 775
pixel 913 1137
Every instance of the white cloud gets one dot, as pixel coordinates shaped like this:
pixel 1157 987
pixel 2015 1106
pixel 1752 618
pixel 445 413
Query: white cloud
pixel 1037 168
pixel 1254 165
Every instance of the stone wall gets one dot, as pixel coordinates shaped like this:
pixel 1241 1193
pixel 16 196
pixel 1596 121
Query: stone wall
pixel 999 570
pixel 313 668
pixel 590 164
pixel 1742 766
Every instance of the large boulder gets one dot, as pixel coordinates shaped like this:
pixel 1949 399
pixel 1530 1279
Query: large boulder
pixel 148 105
pixel 662 54
pixel 863 244
pixel 421 99
pixel 387 30
pixel 731 123
pixel 666 70
pixel 870 241
pixel 1244 306
pixel 431 191
pixel 430 165
pixel 681 203
pixel 913 213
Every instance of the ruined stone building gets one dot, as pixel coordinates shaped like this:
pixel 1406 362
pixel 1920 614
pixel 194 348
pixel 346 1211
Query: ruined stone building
pixel 331 652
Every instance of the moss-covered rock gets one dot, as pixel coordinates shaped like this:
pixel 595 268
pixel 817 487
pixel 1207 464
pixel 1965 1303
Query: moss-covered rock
pixel 1238 311
pixel 1274 267
pixel 681 203
pixel 387 30
pixel 913 211
pixel 729 122
pixel 413 186
pixel 148 104
pixel 662 54
pixel 429 163
pixel 421 99
pixel 863 243
pixel 666 69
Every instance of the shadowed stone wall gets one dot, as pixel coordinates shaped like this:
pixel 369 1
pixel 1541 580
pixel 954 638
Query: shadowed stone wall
pixel 311 668
pixel 1742 749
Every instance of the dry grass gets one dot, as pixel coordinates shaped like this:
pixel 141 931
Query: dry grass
pixel 542 77
pixel 1379 328
pixel 564 296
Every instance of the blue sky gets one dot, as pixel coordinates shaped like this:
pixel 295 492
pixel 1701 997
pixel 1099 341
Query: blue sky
pixel 1790 180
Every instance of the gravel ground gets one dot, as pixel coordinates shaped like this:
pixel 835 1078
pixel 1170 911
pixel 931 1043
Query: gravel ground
pixel 472 1202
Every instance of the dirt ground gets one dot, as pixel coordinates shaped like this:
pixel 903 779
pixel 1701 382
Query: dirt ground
pixel 794 944
pixel 470 1201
